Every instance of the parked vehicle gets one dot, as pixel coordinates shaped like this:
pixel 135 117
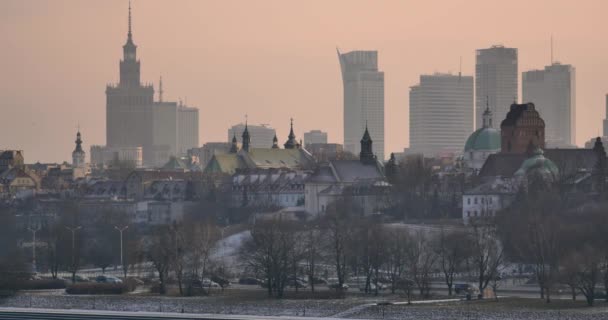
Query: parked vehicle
pixel 221 281
pixel 335 286
pixel 208 283
pixel 107 279
pixel 250 281
pixel 465 288
pixel 296 284
pixel 82 279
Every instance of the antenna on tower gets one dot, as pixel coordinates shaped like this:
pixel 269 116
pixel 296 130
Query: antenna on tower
pixel 551 49
pixel 160 90
pixel 460 69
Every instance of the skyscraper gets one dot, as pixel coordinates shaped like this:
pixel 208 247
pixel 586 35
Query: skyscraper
pixel 606 119
pixel 496 81
pixel 552 91
pixel 441 113
pixel 129 103
pixel 363 100
pixel 134 120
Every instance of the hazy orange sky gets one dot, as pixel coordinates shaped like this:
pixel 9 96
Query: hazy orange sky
pixel 270 59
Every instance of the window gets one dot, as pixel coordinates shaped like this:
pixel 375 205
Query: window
pixel 468 200
pixel 475 200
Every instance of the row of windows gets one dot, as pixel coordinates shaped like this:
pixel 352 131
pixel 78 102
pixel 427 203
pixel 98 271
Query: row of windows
pixel 483 213
pixel 483 200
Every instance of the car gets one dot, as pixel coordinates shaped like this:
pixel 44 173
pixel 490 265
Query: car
pixel 296 284
pixel 250 281
pixel 82 279
pixel 336 286
pixel 221 281
pixel 465 288
pixel 208 283
pixel 107 279
pixel 317 280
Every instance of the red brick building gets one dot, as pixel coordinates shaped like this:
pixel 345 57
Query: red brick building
pixel 523 127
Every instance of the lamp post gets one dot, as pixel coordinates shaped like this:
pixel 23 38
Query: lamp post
pixel 121 229
pixel 33 231
pixel 73 230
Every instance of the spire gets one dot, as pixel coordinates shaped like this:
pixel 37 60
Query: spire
pixel 234 148
pixel 366 156
pixel 487 115
pixel 160 89
pixel 275 142
pixel 130 35
pixel 291 143
pixel 246 137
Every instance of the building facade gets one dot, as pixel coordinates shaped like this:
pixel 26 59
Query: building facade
pixel 187 133
pixel 553 91
pixel 363 99
pixel 495 81
pixel 441 113
pixel 315 137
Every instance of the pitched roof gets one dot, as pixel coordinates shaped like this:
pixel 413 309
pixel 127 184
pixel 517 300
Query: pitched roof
pixel 278 158
pixel 349 171
pixel 568 162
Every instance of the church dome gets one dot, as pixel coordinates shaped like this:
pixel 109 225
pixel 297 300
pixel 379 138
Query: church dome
pixel 539 165
pixel 486 138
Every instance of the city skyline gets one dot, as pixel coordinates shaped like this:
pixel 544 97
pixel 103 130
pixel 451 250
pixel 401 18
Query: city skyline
pixel 228 71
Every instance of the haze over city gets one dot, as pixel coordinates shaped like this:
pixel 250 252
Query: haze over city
pixel 272 60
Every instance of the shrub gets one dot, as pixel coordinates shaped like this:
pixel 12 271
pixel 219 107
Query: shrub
pixel 96 288
pixel 21 284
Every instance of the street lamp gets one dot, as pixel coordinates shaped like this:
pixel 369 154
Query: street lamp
pixel 73 230
pixel 33 231
pixel 121 229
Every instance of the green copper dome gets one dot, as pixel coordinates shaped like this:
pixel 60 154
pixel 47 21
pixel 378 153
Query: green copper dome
pixel 537 163
pixel 483 139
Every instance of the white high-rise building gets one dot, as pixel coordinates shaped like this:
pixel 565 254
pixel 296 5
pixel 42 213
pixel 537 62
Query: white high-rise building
pixel 495 81
pixel 552 91
pixel 187 129
pixel 441 113
pixel 363 100
pixel 315 137
pixel 261 135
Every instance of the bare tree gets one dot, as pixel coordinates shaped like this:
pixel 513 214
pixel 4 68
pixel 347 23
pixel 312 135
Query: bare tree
pixel 453 249
pixel 421 261
pixel 160 251
pixel 487 253
pixel 396 254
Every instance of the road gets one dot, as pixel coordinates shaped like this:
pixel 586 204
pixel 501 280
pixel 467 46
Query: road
pixel 44 314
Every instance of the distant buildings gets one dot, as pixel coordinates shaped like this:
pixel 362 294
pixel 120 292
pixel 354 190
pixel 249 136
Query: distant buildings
pixel 207 151
pixel 135 120
pixel 553 91
pixel 11 159
pixel 105 156
pixel 363 99
pixel 441 113
pixel 495 81
pixel 261 135
pixel 315 137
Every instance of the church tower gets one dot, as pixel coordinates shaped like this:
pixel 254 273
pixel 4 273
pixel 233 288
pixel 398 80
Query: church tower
pixel 366 156
pixel 78 155
pixel 291 143
pixel 246 138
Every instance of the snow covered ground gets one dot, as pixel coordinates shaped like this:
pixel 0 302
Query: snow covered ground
pixel 350 308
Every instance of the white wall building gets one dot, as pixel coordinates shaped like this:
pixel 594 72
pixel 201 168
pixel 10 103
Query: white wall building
pixel 363 100
pixel 487 199
pixel 187 132
pixel 553 92
pixel 495 81
pixel 441 113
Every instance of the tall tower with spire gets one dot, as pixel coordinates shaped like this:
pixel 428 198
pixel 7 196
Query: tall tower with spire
pixel 78 155
pixel 367 153
pixel 129 104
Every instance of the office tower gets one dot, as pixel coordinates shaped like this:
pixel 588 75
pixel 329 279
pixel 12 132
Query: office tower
pixel 496 81
pixel 187 124
pixel 261 136
pixel 606 119
pixel 315 137
pixel 363 100
pixel 441 113
pixel 552 91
